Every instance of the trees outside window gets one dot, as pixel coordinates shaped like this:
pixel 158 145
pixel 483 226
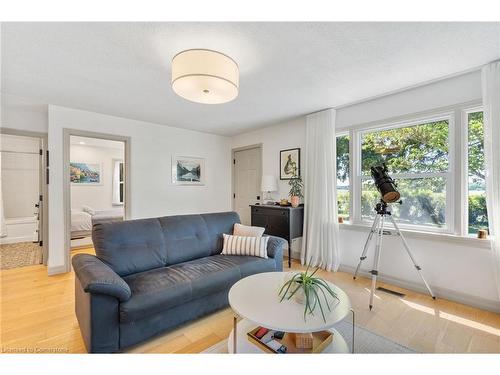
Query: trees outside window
pixel 478 216
pixel 417 157
pixel 343 196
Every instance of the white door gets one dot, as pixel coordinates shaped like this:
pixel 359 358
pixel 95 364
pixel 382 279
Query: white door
pixel 247 175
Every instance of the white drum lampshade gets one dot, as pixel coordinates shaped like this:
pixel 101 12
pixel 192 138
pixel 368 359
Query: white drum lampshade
pixel 205 76
pixel 268 184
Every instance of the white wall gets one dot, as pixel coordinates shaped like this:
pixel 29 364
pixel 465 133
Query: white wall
pixel 462 271
pixel 99 197
pixel 290 134
pixel 152 146
pixel 447 92
pixel 23 113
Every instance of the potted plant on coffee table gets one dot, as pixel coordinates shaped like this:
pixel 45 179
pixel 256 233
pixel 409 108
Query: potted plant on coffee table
pixel 310 291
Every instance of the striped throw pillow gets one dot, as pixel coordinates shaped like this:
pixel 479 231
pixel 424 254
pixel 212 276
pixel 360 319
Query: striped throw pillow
pixel 239 245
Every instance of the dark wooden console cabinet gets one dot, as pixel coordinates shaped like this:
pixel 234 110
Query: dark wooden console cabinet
pixel 285 222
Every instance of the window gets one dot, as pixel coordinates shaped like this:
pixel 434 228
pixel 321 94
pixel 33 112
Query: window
pixel 438 194
pixel 418 159
pixel 476 195
pixel 118 191
pixel 343 196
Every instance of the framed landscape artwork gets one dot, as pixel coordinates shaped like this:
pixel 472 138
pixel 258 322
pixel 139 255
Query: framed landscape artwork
pixel 187 170
pixel 289 163
pixel 85 173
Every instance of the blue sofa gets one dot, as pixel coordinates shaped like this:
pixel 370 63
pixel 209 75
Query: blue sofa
pixel 151 275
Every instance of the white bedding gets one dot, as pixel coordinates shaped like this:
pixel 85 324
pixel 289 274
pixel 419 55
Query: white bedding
pixel 80 221
pixel 113 213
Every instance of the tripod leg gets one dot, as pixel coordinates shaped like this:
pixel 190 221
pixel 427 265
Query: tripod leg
pixel 376 260
pixel 373 229
pixel 407 248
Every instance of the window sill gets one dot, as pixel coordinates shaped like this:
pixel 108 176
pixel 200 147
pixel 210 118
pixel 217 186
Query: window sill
pixel 430 236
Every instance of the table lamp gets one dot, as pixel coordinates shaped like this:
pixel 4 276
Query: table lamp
pixel 269 184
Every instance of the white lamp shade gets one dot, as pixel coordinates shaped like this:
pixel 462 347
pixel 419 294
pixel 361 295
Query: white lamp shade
pixel 205 76
pixel 269 183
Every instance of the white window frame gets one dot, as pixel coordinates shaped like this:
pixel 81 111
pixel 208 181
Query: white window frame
pixel 464 223
pixel 356 177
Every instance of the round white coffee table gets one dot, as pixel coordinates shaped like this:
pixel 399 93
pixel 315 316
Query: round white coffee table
pixel 255 299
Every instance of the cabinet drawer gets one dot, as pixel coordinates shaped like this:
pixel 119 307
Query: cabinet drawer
pixel 269 211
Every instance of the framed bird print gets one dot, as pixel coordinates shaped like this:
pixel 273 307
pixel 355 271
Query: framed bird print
pixel 289 164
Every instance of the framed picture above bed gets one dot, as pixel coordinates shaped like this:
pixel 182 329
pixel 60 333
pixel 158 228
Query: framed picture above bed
pixel 188 170
pixel 83 173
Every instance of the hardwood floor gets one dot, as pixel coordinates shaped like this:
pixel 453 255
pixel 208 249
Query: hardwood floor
pixel 37 315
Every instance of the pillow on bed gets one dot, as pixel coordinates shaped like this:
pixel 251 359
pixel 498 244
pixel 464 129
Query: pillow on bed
pixel 247 231
pixel 88 210
pixel 239 245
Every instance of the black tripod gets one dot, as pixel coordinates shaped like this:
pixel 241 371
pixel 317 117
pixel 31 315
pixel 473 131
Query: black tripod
pixel 378 227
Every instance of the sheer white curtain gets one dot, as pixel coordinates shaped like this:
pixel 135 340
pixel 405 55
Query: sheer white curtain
pixel 321 229
pixel 491 105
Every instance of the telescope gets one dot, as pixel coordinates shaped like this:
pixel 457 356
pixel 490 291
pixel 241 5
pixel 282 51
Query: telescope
pixel 389 194
pixel 385 184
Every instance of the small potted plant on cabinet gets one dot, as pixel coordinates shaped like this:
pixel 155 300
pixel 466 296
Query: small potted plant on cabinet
pixel 296 190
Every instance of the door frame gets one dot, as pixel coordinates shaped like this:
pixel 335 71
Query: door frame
pixel 44 184
pixel 233 166
pixel 67 133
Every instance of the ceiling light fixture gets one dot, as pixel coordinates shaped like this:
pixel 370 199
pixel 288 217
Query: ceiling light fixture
pixel 205 76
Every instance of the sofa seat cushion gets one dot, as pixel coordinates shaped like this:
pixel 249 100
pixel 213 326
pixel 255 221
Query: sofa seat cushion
pixel 163 288
pixel 249 265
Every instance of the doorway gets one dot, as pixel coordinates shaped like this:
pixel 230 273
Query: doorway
pixel 23 207
pixel 247 174
pixel 96 185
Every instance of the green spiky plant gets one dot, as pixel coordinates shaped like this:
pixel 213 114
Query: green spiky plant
pixel 311 286
pixel 296 186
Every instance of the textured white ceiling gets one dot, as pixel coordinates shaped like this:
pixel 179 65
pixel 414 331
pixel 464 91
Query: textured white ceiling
pixel 287 69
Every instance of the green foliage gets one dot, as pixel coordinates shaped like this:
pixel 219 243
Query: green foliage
pixel 413 149
pixel 478 216
pixel 296 187
pixel 312 287
pixel 343 203
pixel 343 158
pixel 476 148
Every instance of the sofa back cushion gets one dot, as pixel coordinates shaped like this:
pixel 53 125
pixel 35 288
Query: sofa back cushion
pixel 134 246
pixel 217 224
pixel 189 237
pixel 130 246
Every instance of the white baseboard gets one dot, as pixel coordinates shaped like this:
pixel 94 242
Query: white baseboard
pixel 8 240
pixel 452 295
pixel 55 270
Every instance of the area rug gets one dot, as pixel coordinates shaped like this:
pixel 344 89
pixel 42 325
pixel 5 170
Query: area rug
pixel 20 254
pixel 365 342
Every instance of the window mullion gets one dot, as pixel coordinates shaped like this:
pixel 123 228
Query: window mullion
pixel 355 171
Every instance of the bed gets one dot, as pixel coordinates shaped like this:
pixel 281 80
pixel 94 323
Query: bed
pixel 82 221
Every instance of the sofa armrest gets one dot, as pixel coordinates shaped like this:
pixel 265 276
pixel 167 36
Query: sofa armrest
pixel 97 277
pixel 276 247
